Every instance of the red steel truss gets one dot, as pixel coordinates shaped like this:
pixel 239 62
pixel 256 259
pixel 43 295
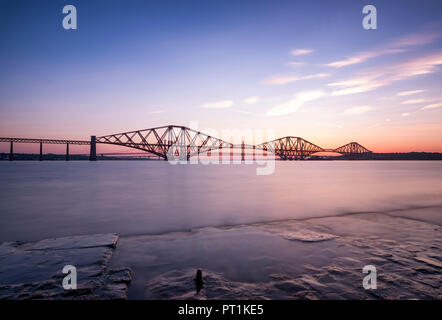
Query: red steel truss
pixel 182 143
pixel 290 148
pixel 177 141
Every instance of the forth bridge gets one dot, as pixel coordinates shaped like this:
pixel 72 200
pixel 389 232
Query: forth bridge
pixel 185 143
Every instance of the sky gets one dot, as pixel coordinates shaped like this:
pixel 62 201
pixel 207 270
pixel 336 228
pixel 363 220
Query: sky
pixel 299 68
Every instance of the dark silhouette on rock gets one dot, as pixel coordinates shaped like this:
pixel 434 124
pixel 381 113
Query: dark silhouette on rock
pixel 199 280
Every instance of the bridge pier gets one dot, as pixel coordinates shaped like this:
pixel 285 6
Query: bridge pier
pixel 231 152
pixel 11 151
pixel 254 153
pixel 93 150
pixel 243 151
pixel 67 151
pixel 220 152
pixel 41 151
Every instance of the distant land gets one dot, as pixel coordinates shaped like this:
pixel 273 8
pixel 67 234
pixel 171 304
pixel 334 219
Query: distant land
pixel 371 156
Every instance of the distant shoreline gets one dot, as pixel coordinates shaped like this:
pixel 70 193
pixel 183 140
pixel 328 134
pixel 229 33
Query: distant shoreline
pixel 371 156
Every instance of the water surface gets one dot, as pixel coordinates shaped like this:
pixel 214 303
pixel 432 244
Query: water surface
pixel 51 199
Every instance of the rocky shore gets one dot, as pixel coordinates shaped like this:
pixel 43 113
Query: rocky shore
pixel 317 258
pixel 35 270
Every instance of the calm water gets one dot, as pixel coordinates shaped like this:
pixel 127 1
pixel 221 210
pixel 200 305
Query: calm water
pixel 49 199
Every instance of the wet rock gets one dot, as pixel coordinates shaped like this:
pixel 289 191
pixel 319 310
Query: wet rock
pixel 35 270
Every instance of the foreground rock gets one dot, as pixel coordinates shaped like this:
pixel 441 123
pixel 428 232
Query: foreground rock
pixel 320 258
pixel 35 270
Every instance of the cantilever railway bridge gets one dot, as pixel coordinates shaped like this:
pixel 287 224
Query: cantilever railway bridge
pixel 184 143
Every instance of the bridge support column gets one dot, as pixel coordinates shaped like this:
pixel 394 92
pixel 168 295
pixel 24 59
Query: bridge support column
pixel 41 151
pixel 11 151
pixel 220 152
pixel 254 153
pixel 243 151
pixel 231 152
pixel 67 151
pixel 93 151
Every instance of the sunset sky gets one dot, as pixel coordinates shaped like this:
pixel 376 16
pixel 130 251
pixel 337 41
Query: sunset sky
pixel 301 68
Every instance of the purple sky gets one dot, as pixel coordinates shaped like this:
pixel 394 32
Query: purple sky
pixel 306 69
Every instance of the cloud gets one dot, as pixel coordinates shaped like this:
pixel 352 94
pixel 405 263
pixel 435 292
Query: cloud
pixel 300 52
pixel 316 76
pixel 278 80
pixel 156 111
pixel 357 110
pixel 432 106
pixel 361 57
pixel 295 103
pixel 295 64
pixel 414 101
pixel 219 104
pixel 284 79
pixel 396 46
pixel 251 100
pixel 420 38
pixel 382 76
pixel 356 85
pixel 408 93
pixel 405 114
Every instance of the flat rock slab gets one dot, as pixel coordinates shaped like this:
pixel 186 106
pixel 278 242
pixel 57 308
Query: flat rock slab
pixel 35 270
pixel 318 258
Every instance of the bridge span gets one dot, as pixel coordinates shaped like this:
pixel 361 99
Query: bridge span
pixel 183 142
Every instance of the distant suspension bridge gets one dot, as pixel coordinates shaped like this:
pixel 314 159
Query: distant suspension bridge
pixel 184 143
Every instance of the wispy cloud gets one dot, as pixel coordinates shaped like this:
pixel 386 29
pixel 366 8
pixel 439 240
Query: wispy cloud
pixel 300 52
pixel 357 110
pixel 396 46
pixel 218 104
pixel 356 85
pixel 316 76
pixel 361 57
pixel 432 33
pixel 279 80
pixel 409 93
pixel 295 103
pixel 432 106
pixel 284 79
pixel 156 111
pixel 386 75
pixel 415 101
pixel 251 100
